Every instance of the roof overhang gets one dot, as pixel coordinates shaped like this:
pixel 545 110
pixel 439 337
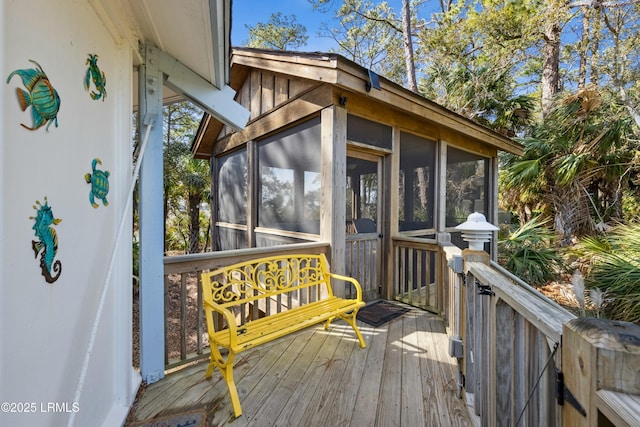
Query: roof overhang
pixel 343 73
pixel 194 39
pixel 194 32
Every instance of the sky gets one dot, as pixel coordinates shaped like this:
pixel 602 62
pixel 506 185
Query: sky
pixel 250 12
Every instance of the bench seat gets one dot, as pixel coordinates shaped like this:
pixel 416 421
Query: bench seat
pixel 277 325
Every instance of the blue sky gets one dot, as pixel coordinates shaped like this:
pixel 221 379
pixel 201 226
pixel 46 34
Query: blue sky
pixel 250 12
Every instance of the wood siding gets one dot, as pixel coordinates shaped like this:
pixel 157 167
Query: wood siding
pixel 262 91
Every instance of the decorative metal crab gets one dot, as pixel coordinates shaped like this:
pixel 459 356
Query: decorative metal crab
pixel 99 181
pixel 41 96
pixel 99 79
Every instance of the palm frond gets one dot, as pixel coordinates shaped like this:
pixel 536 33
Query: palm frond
pixel 529 253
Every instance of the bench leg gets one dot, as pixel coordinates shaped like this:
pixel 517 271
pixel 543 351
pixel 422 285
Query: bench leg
pixel 227 373
pixel 350 318
pixel 226 368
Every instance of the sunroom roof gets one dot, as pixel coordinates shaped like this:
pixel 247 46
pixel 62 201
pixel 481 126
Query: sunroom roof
pixel 345 74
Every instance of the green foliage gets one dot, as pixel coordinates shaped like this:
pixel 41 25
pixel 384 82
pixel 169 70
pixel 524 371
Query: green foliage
pixel 186 180
pixel 529 253
pixel 135 251
pixel 485 94
pixel 612 262
pixel 576 164
pixel 473 52
pixel 630 206
pixel 277 201
pixel 370 35
pixel 281 32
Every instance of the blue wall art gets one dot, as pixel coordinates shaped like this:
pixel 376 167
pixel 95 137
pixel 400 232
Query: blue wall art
pixel 99 181
pixel 99 79
pixel 47 244
pixel 40 95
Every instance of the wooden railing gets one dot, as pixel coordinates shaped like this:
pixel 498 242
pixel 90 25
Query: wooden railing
pixel 512 348
pixel 361 262
pixel 417 276
pixel 510 340
pixel 185 330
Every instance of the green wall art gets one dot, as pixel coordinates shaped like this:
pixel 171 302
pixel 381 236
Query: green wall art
pixel 99 181
pixel 40 95
pixel 47 244
pixel 99 79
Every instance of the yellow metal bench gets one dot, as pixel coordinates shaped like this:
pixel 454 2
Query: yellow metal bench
pixel 254 302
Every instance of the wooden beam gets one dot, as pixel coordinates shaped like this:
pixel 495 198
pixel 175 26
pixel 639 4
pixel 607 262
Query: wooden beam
pixel 217 101
pixel 311 102
pixel 317 68
pixel 621 409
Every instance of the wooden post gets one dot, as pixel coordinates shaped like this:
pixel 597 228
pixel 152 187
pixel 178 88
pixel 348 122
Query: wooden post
pixel 598 355
pixel 475 256
pixel 333 176
pixel 475 365
pixel 503 365
pixel 391 172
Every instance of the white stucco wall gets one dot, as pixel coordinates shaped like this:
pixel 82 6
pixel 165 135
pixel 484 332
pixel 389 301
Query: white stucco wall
pixel 45 328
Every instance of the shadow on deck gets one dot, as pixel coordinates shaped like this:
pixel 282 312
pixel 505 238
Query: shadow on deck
pixel 404 377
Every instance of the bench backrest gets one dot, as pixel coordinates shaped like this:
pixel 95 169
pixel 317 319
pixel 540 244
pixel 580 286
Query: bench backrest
pixel 268 285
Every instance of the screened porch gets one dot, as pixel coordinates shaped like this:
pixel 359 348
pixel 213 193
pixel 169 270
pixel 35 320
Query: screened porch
pixel 270 192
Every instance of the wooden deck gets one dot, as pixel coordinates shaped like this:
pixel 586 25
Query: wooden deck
pixel 404 377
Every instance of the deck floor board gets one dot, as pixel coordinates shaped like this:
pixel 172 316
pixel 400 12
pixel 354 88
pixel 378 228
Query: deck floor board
pixel 404 377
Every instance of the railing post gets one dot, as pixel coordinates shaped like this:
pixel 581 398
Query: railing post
pixel 481 325
pixel 471 255
pixel 597 355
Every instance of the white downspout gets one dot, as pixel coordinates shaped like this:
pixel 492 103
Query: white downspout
pixel 149 122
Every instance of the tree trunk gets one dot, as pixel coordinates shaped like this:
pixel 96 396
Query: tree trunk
pixel 423 187
pixel 165 214
pixel 551 62
pixel 596 31
pixel 194 222
pixel 619 62
pixel 583 49
pixel 408 47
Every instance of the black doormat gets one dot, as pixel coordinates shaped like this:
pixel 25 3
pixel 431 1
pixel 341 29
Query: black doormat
pixel 380 312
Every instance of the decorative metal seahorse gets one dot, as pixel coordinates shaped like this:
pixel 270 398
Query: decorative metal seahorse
pixel 47 246
pixel 98 77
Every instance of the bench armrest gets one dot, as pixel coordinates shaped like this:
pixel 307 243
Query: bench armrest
pixel 351 280
pixel 232 326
